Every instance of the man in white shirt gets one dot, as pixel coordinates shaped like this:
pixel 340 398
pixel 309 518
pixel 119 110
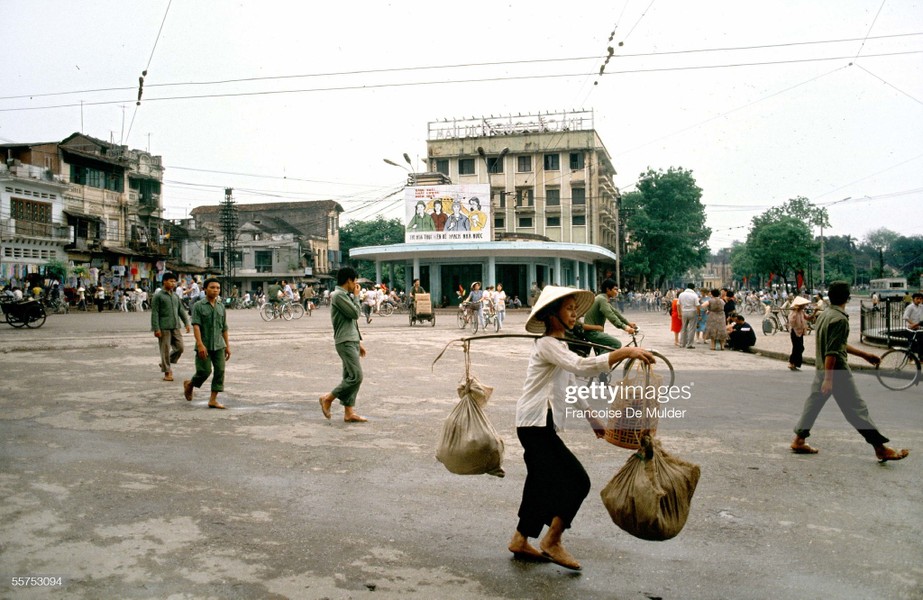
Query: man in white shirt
pixel 913 319
pixel 688 304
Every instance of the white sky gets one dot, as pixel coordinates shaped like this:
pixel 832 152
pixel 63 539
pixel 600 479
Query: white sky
pixel 754 136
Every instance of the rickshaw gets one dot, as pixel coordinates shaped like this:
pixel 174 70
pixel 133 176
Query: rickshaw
pixel 28 313
pixel 422 310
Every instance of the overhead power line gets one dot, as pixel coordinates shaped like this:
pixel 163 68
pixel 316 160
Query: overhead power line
pixel 457 66
pixel 450 82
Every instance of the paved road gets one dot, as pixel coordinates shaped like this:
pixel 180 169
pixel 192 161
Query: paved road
pixel 112 481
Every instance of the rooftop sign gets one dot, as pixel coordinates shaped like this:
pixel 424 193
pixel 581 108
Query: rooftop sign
pixel 556 122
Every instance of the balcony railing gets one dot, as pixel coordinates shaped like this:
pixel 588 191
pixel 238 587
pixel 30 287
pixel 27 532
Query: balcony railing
pixel 35 229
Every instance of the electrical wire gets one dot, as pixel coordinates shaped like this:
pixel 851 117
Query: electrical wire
pixel 453 66
pixel 510 78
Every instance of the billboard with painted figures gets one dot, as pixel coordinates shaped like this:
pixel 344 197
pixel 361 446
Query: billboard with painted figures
pixel 447 213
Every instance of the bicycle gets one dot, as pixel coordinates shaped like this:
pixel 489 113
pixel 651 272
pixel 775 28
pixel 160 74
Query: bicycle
pixel 579 344
pixel 276 310
pixel 491 317
pixel 56 306
pixel 296 309
pixel 900 367
pixel 466 316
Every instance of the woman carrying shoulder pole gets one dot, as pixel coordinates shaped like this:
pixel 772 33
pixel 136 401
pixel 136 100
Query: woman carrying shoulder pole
pixel 556 483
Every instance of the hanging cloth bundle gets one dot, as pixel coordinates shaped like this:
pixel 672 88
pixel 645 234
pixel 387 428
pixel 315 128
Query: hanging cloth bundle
pixel 651 494
pixel 469 444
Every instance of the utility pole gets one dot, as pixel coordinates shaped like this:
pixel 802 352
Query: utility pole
pixel 229 223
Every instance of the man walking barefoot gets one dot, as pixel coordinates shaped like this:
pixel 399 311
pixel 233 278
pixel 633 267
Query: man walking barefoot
pixel 833 377
pixel 344 312
pixel 167 312
pixel 211 341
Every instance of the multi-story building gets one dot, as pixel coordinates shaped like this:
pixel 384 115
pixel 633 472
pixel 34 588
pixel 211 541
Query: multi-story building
pixel 295 241
pixel 33 226
pixel 553 211
pixel 110 201
pixel 549 174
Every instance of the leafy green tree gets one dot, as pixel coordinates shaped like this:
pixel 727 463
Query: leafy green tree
pixel 742 265
pixel 781 241
pixel 799 208
pixel 781 246
pixel 56 269
pixel 907 257
pixel 377 232
pixel 881 240
pixel 665 225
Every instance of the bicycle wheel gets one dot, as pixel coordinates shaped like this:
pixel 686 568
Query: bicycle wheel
pixel 36 318
pixel 666 369
pixel 769 326
pixel 297 310
pixel 15 321
pixel 496 324
pixel 899 369
pixel 474 323
pixel 386 309
pixel 286 312
pixel 267 312
pixel 461 320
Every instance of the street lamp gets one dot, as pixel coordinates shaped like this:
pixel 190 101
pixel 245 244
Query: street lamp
pixel 483 155
pixel 411 176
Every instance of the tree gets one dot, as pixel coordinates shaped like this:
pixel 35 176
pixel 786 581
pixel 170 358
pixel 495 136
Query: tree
pixel 881 240
pixel 742 265
pixel 781 242
pixel 907 256
pixel 800 208
pixel 665 224
pixel 377 232
pixel 780 247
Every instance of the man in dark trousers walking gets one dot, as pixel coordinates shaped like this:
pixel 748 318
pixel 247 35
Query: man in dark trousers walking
pixel 833 378
pixel 344 312
pixel 167 313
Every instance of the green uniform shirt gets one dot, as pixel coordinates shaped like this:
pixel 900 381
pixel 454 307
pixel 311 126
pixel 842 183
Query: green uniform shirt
pixel 212 323
pixel 601 311
pixel 832 332
pixel 344 312
pixel 167 312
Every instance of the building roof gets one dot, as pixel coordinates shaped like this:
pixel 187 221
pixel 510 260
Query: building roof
pixel 392 252
pixel 269 206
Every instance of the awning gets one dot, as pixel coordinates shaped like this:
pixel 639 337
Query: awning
pixel 119 250
pixel 84 216
pixel 179 268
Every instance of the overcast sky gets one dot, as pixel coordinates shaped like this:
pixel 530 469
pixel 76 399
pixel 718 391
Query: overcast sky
pixel 762 101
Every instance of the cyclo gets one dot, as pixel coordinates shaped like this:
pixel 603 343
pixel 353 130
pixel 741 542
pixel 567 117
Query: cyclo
pixel 28 313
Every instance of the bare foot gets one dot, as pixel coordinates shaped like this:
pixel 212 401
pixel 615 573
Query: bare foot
pixel 325 401
pixel 884 454
pixel 187 389
pixel 354 418
pixel 560 556
pixel 216 404
pixel 800 446
pixel 522 549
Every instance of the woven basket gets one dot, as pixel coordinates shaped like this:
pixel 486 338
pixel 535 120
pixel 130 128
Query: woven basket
pixel 635 399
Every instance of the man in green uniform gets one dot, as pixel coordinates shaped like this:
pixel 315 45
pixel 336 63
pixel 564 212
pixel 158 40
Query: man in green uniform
pixel 210 327
pixel 167 312
pixel 344 312
pixel 594 321
pixel 833 378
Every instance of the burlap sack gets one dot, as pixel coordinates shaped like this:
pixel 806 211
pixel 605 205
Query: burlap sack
pixel 470 445
pixel 651 494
